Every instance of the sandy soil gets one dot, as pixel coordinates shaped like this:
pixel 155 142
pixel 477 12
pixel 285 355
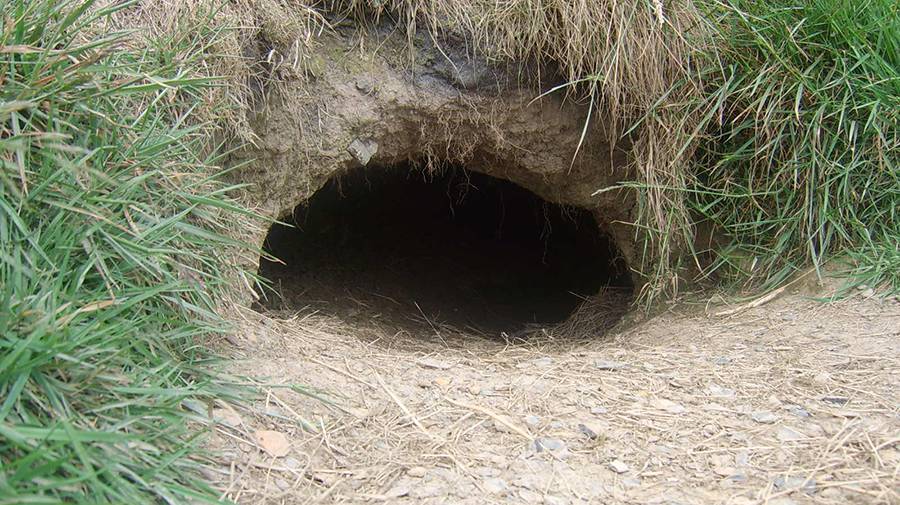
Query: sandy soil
pixel 793 401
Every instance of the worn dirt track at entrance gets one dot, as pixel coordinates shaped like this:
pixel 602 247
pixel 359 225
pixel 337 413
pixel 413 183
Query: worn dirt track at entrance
pixel 791 402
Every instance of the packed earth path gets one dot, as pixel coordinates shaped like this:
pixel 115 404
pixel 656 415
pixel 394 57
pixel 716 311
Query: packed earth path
pixel 791 401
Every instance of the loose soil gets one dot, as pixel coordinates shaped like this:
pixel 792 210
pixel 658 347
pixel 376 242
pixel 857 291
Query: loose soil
pixel 792 401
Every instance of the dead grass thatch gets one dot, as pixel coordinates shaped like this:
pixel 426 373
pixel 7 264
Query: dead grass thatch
pixel 633 59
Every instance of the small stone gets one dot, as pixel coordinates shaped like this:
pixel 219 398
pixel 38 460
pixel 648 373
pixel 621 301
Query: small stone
pixel 719 391
pixel 764 417
pixel 793 482
pixel 549 444
pixel 365 85
pixel 722 360
pixel 273 442
pixel 282 484
pixel 362 150
pixel 433 363
pixel 797 410
pixel 618 466
pixel 631 482
pixel 822 378
pixel 532 420
pixel 786 434
pixel 417 472
pixel 495 485
pixel 836 400
pixel 442 382
pixel 669 406
pixel 599 410
pixel 291 463
pixel 592 429
pixel 609 365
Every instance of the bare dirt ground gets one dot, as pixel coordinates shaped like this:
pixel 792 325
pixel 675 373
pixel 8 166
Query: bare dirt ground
pixel 793 401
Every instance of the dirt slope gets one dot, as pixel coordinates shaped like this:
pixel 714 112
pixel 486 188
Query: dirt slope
pixel 791 402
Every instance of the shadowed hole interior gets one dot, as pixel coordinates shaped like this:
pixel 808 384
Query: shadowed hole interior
pixel 453 246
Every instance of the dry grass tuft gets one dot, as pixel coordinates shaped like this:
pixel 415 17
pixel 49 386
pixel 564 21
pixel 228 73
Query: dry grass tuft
pixel 250 45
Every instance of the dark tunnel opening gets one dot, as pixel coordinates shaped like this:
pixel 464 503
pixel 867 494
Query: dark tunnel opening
pixel 453 246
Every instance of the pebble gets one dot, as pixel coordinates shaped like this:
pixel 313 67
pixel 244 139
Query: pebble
pixel 417 471
pixel 618 466
pixel 291 463
pixel 764 417
pixel 598 410
pixel 720 391
pixel 532 420
pixel 669 406
pixel 365 84
pixel 592 429
pixel 822 378
pixel 795 482
pixel 495 485
pixel 554 446
pixel 609 365
pixel 397 491
pixel 786 434
pixel 837 400
pixel 282 484
pixel 363 150
pixel 797 410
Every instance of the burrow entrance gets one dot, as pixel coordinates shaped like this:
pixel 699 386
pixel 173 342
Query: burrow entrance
pixel 446 247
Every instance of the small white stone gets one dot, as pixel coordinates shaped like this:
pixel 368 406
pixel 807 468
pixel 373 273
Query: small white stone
pixel 416 471
pixel 618 466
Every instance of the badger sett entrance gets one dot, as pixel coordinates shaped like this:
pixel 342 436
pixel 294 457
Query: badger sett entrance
pixel 448 247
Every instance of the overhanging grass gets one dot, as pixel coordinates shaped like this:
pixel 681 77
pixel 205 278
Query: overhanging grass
pixel 111 264
pixel 800 161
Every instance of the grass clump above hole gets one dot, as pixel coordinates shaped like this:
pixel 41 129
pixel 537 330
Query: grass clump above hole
pixel 799 162
pixel 112 261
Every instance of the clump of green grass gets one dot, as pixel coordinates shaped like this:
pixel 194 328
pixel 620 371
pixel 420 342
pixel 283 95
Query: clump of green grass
pixel 799 163
pixel 113 243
